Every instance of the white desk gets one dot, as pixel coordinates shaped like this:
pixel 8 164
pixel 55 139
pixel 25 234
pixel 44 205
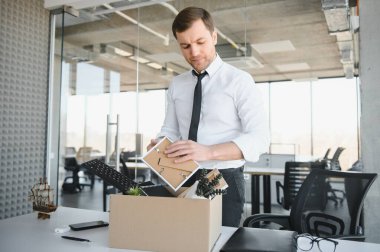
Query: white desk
pixel 27 233
pixel 137 165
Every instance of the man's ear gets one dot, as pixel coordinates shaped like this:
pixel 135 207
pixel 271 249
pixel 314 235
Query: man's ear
pixel 215 37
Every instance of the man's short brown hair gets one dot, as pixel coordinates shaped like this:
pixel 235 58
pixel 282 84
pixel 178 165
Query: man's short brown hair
pixel 188 16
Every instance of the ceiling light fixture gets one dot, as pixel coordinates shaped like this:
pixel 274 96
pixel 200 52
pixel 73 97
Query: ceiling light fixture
pixel 154 65
pixel 139 59
pixel 273 47
pixel 122 52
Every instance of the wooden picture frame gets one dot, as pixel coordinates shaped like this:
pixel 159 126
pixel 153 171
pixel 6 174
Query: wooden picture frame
pixel 175 175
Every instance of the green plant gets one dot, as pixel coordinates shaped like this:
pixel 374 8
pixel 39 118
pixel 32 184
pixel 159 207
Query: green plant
pixel 206 187
pixel 135 190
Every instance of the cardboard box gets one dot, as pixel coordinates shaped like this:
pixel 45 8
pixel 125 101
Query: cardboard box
pixel 164 224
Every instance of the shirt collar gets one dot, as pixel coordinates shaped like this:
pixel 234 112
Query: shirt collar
pixel 214 66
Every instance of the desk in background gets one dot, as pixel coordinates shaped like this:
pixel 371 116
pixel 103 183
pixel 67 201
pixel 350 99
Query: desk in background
pixel 255 186
pixel 27 233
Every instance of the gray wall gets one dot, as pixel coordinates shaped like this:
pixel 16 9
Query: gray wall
pixel 24 46
pixel 370 119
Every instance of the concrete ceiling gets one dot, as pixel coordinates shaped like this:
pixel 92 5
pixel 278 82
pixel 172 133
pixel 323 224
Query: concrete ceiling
pixel 289 39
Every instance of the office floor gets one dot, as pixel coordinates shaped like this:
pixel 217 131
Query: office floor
pixel 92 199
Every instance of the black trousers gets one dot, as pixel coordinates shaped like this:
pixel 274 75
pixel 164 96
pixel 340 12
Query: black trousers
pixel 233 201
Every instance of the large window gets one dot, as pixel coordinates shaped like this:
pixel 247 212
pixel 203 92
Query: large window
pixel 290 118
pixel 307 118
pixel 87 118
pixel 335 118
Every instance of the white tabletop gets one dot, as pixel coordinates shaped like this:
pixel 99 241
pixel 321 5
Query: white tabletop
pixel 264 170
pixel 27 233
pixel 137 165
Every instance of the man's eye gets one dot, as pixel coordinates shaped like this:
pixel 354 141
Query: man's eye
pixel 185 46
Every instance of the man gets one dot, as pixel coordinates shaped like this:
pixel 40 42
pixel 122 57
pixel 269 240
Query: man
pixel 230 127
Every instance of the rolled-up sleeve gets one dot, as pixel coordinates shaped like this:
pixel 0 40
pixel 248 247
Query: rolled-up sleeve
pixel 255 137
pixel 170 127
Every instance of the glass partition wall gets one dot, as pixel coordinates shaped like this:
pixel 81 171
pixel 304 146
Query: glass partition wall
pixel 112 96
pixel 118 60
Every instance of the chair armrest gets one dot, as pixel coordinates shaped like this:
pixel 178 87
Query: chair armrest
pixel 279 187
pixel 282 220
pixel 360 238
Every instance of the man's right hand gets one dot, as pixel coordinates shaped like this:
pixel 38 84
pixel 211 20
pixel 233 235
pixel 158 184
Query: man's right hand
pixel 153 142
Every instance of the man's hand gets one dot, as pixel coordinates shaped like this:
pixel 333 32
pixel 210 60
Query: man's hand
pixel 153 142
pixel 185 150
pixel 188 150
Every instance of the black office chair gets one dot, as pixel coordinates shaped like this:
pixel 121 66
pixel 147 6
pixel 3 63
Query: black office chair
pixel 295 175
pixel 327 154
pixel 336 195
pixel 75 182
pixel 313 213
pixel 334 161
pixel 71 164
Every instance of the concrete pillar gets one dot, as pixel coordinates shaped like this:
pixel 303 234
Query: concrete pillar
pixel 369 73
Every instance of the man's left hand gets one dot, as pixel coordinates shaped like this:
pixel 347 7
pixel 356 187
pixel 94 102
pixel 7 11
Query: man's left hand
pixel 185 150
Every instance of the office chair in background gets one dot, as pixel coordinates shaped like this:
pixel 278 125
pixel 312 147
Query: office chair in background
pixel 313 213
pixel 71 164
pixel 334 161
pixel 295 175
pixel 75 182
pixel 327 154
pixel 336 195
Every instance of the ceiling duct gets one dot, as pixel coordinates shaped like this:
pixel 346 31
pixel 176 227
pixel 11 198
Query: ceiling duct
pixel 336 14
pixel 240 58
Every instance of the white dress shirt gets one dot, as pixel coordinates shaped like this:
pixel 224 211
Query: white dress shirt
pixel 232 110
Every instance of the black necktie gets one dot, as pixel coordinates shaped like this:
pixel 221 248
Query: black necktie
pixel 193 131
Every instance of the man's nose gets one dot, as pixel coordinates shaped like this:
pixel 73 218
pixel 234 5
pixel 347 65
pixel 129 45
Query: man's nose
pixel 194 51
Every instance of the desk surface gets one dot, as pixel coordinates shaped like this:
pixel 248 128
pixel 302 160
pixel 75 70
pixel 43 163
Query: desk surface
pixel 92 155
pixel 27 233
pixel 137 165
pixel 263 171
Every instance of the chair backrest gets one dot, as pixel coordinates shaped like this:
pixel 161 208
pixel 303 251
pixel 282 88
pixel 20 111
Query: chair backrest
pixel 334 161
pixel 313 213
pixel 71 164
pixel 84 154
pixel 295 174
pixel 327 154
pixel 70 151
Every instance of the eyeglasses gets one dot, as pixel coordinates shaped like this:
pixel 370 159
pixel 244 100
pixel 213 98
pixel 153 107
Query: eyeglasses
pixel 305 242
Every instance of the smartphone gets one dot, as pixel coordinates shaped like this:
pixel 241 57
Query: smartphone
pixel 88 225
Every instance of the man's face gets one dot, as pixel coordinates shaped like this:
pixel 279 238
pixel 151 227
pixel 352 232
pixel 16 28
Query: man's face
pixel 197 45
